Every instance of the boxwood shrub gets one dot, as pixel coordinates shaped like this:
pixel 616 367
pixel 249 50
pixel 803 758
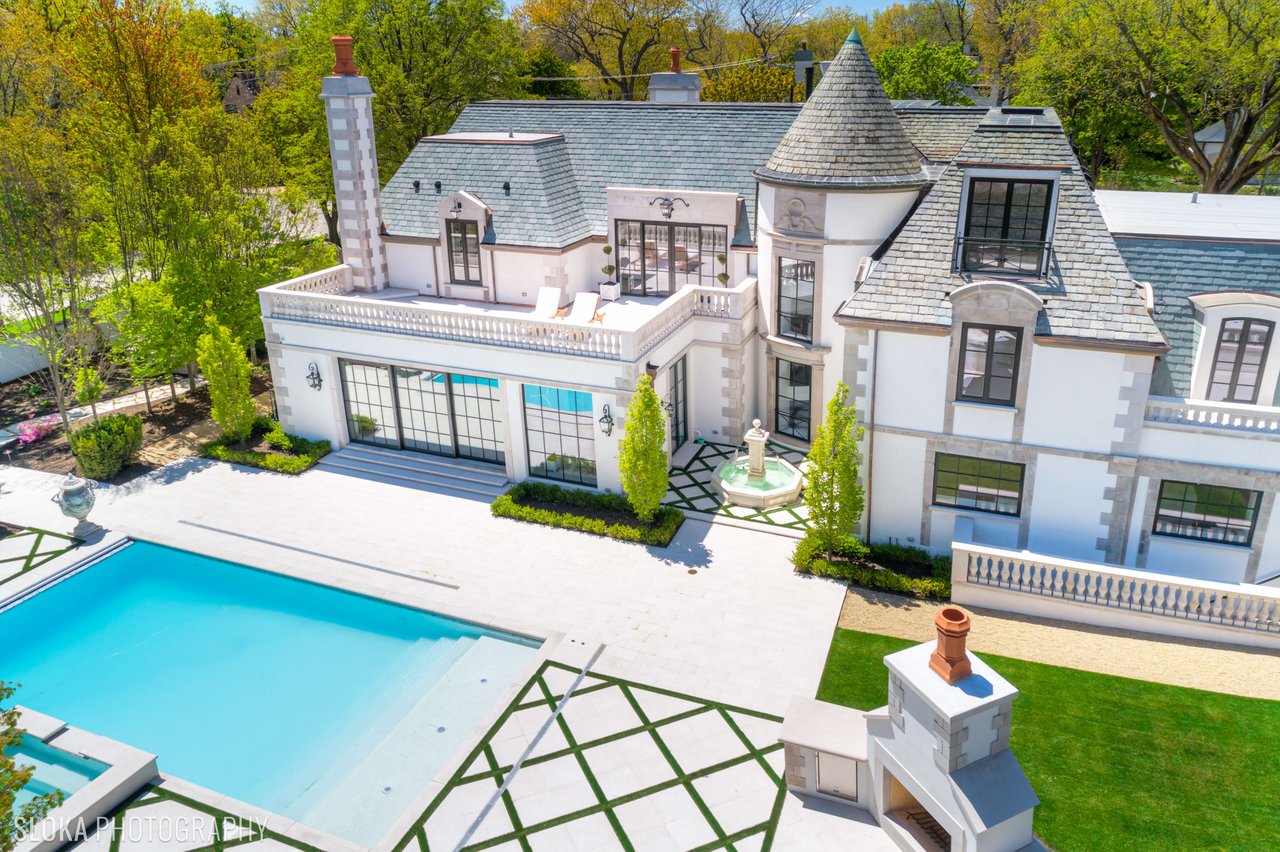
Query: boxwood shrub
pixel 855 562
pixel 292 453
pixel 586 511
pixel 104 447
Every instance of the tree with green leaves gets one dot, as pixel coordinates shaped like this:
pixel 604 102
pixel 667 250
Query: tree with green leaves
pixel 224 365
pixel 757 83
pixel 927 70
pixel 89 387
pixel 14 821
pixel 832 480
pixel 1184 64
pixel 642 453
pixel 548 76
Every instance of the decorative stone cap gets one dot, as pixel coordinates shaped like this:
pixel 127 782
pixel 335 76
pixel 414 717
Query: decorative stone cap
pixel 949 660
pixel 343 63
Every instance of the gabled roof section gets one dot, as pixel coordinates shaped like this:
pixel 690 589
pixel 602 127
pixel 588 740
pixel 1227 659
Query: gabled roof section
pixel 847 135
pixel 939 132
pixel 540 206
pixel 1177 269
pixel 1088 292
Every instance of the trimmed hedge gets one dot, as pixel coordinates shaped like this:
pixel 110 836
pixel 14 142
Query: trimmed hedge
pixel 294 454
pixel 578 509
pixel 104 447
pixel 851 564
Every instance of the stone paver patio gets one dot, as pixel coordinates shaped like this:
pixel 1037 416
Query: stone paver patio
pixel 691 489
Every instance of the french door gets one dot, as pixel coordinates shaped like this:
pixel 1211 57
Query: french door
pixel 679 405
pixel 410 408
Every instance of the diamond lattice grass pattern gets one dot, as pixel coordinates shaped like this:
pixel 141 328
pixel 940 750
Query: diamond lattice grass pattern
pixel 692 490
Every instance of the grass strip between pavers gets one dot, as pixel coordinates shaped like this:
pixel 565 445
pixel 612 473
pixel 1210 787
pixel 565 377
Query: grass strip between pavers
pixel 506 794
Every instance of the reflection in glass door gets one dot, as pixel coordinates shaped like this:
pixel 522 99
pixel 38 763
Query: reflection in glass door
pixel 423 398
pixel 477 418
pixel 679 405
pixel 370 404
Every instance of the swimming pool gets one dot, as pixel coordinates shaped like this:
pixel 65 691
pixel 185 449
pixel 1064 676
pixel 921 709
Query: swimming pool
pixel 325 706
pixel 55 770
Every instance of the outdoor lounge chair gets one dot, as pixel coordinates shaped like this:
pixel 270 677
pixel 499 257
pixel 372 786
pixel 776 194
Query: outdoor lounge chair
pixel 548 305
pixel 586 309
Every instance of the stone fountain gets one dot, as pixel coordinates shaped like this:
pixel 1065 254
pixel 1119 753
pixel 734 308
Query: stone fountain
pixel 758 481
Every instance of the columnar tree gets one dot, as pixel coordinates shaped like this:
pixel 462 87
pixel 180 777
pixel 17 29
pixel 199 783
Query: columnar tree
pixel 642 453
pixel 832 483
pixel 13 820
pixel 224 365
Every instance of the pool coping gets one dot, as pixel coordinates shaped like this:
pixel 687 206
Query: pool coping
pixel 128 770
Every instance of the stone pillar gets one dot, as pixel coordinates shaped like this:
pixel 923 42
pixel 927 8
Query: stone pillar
pixel 756 439
pixel 348 107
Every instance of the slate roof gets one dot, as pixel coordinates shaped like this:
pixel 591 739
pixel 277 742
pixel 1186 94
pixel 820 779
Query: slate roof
pixel 847 134
pixel 542 207
pixel 1179 268
pixel 939 132
pixel 1088 291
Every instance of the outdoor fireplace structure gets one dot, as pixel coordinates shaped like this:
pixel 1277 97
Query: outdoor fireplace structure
pixel 934 766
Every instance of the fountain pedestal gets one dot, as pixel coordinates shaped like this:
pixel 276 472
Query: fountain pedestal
pixel 758 482
pixel 755 438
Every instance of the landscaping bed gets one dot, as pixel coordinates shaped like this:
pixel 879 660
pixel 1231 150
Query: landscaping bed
pixel 270 448
pixel 886 567
pixel 28 397
pixel 1110 757
pixel 586 511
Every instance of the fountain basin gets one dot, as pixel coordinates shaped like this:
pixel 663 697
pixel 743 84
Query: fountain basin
pixel 780 485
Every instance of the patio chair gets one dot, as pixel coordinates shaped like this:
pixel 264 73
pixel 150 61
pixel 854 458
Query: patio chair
pixel 548 305
pixel 586 309
pixel 683 262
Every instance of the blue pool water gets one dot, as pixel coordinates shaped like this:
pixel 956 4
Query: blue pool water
pixel 55 770
pixel 294 697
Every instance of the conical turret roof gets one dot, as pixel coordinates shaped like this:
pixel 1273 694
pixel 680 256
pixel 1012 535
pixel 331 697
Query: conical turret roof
pixel 847 135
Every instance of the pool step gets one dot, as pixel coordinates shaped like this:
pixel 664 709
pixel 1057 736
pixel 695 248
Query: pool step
pixel 431 473
pixel 407 756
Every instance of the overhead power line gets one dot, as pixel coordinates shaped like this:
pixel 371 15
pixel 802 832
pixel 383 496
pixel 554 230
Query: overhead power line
pixel 699 69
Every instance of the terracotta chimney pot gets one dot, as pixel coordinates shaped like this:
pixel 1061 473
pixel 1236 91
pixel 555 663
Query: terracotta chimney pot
pixel 675 60
pixel 949 659
pixel 343 64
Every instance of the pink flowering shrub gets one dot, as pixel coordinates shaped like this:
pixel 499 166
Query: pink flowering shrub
pixel 37 430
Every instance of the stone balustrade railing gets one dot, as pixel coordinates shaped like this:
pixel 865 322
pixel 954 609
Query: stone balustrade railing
pixel 322 298
pixel 1245 607
pixel 1218 415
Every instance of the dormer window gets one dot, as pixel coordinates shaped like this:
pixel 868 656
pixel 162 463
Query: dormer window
pixel 1006 226
pixel 989 364
pixel 464 250
pixel 1239 360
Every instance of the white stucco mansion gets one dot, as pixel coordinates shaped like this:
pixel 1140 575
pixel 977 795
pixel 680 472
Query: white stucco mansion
pixel 1086 375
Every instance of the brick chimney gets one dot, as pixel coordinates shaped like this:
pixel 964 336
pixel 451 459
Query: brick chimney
pixel 949 659
pixel 348 108
pixel 675 86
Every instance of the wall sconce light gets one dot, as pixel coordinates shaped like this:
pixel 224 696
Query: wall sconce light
pixel 668 406
pixel 606 421
pixel 313 376
pixel 667 205
pixel 457 208
pixel 652 369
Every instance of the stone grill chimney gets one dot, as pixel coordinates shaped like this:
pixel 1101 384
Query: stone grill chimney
pixel 675 86
pixel 949 659
pixel 348 107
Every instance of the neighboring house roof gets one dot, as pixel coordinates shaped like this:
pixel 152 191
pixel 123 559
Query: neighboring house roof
pixel 539 206
pixel 1180 268
pixel 1216 132
pixel 1186 214
pixel 847 134
pixel 939 132
pixel 1088 292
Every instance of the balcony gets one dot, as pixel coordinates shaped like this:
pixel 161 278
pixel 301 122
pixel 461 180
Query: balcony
pixel 630 328
pixel 1006 257
pixel 1248 419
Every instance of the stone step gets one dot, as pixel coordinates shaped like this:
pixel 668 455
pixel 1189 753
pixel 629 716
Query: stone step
pixel 415 470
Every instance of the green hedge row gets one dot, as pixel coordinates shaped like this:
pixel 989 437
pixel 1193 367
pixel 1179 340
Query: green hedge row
pixel 578 510
pixel 850 563
pixel 294 454
pixel 104 447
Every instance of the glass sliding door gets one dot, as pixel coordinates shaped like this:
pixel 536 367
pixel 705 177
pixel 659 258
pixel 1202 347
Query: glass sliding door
pixel 370 403
pixel 560 431
pixel 679 405
pixel 477 418
pixel 658 258
pixel 423 398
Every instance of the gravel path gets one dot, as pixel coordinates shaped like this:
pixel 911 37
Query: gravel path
pixel 1182 662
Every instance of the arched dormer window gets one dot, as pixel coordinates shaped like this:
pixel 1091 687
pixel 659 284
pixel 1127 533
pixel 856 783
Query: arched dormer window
pixel 1234 362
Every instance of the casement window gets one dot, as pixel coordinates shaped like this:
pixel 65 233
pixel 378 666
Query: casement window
pixel 1207 512
pixel 464 250
pixel 1239 359
pixel 792 398
pixel 1006 226
pixel 795 298
pixel 989 364
pixel 986 485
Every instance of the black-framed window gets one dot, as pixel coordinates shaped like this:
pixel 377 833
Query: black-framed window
pixel 1239 360
pixel 464 250
pixel 679 404
pixel 658 258
pixel 792 399
pixel 795 298
pixel 1207 512
pixel 1006 225
pixel 560 433
pixel 989 364
pixel 986 485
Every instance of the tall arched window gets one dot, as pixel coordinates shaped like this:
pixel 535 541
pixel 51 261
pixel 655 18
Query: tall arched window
pixel 1239 360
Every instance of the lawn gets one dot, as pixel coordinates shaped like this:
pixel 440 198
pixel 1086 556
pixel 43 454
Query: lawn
pixel 1117 763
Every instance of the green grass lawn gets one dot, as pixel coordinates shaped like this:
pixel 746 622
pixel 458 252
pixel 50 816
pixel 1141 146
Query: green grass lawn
pixel 1117 763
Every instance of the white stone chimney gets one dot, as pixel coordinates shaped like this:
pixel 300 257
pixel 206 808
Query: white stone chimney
pixel 675 86
pixel 348 108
